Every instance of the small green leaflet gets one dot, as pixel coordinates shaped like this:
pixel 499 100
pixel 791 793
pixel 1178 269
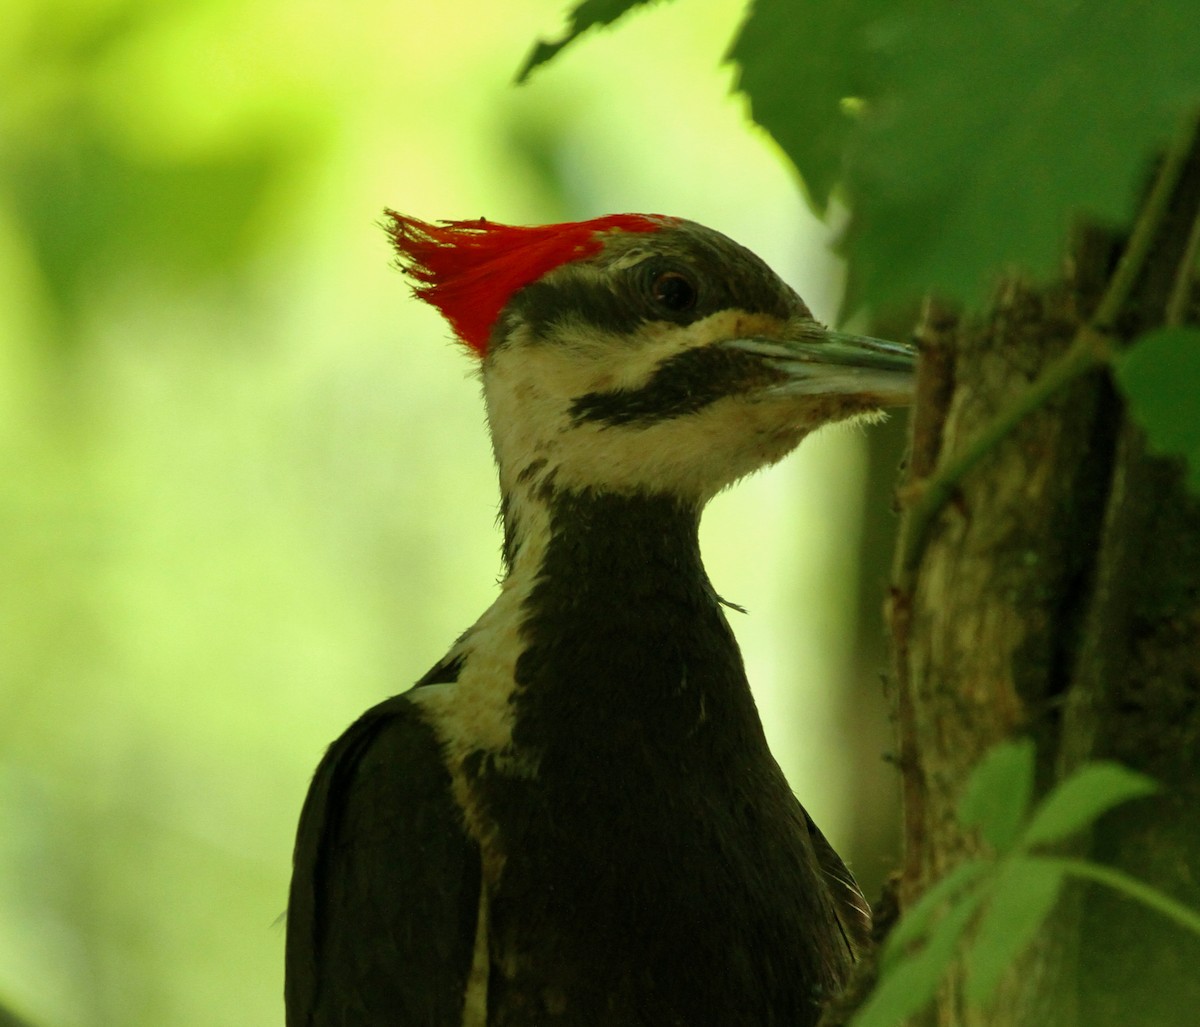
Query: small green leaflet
pixel 1160 376
pixel 996 798
pixel 583 17
pixel 1022 897
pixel 1082 799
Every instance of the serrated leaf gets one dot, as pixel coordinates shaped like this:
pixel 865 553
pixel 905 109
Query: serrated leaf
pixel 997 794
pixel 914 980
pixel 915 921
pixel 1025 893
pixel 1082 798
pixel 583 17
pixel 1160 376
pixel 999 124
pixel 798 64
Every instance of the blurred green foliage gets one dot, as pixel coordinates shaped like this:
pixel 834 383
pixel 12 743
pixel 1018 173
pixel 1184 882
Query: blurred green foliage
pixel 246 490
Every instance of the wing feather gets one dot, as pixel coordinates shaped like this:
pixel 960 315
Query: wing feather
pixel 850 905
pixel 385 887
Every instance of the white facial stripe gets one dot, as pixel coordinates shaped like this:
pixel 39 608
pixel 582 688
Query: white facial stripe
pixel 583 359
pixel 693 456
pixel 531 387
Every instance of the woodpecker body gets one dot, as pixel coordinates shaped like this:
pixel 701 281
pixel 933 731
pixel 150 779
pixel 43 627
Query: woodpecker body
pixel 574 818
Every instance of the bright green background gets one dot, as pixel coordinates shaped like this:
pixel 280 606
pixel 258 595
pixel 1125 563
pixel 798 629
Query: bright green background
pixel 245 488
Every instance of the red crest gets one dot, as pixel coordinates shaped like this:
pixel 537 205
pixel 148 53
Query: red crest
pixel 470 269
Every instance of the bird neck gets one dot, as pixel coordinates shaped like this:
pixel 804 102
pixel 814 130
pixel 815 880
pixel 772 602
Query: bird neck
pixel 622 631
pixel 627 549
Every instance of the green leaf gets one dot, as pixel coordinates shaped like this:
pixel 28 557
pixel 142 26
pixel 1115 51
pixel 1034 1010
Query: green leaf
pixel 997 794
pixel 1160 376
pixel 913 981
pixel 1025 893
pixel 999 123
pixel 916 919
pixel 1091 791
pixel 583 17
pixel 798 64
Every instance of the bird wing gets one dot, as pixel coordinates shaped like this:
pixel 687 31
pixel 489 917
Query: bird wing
pixel 385 889
pixel 850 905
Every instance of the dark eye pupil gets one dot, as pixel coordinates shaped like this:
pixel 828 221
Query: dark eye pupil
pixel 673 291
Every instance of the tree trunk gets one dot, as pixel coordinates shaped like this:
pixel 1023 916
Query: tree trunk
pixel 1057 595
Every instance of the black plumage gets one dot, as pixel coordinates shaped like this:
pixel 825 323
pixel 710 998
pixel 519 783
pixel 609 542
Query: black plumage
pixel 659 869
pixel 382 913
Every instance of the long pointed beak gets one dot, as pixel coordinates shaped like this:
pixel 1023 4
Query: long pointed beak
pixel 816 361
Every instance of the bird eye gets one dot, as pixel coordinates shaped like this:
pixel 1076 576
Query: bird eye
pixel 673 291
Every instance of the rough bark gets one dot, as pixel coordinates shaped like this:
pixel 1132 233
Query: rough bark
pixel 1057 596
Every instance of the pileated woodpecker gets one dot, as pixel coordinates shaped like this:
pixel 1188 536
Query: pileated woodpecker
pixel 573 818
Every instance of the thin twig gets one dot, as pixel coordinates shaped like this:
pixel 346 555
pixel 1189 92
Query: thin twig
pixel 1129 267
pixel 1185 274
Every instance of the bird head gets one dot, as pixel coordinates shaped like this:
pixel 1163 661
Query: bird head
pixel 640 353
